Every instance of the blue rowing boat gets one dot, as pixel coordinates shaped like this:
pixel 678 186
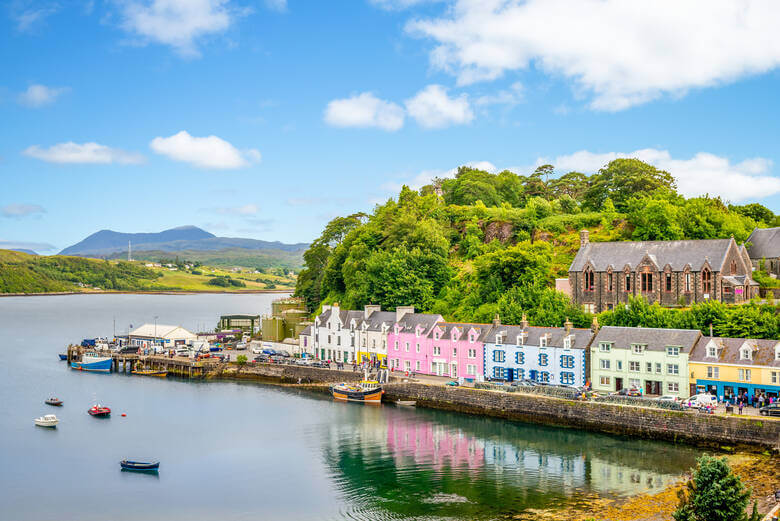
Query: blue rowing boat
pixel 63 357
pixel 139 465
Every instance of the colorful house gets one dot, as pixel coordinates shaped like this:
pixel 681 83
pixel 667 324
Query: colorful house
pixel 408 346
pixel 730 367
pixel 553 355
pixel 373 331
pixel 652 360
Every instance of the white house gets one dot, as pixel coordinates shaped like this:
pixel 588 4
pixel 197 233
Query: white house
pixel 162 335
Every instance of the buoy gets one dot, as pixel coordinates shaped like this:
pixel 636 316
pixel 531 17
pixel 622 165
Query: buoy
pixel 123 414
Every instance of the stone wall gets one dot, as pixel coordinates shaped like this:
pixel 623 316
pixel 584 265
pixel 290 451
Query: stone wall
pixel 286 374
pixel 688 426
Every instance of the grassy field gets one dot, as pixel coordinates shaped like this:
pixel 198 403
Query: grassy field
pixel 186 281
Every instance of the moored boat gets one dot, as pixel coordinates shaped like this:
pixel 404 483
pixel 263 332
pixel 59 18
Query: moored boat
pixel 99 411
pixel 366 391
pixel 152 466
pixel 48 420
pixel 63 357
pixel 93 363
pixel 150 372
pixel 54 401
pixel 406 403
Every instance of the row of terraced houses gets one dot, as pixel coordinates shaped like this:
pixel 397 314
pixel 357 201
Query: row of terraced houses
pixel 656 361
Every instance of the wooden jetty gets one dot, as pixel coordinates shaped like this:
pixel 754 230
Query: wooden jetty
pixel 177 366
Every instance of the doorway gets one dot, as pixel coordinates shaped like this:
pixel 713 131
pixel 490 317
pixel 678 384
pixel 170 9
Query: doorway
pixel 618 384
pixel 652 387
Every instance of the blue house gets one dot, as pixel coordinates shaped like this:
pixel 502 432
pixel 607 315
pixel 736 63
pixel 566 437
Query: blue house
pixel 554 355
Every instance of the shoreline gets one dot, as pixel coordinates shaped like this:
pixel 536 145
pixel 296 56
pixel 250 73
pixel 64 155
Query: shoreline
pixel 151 292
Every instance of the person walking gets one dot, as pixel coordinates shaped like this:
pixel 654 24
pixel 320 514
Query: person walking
pixel 740 402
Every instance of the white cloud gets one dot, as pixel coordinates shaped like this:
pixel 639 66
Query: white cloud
pixel 39 95
pixel 89 153
pixel 28 13
pixel 18 211
pixel 23 245
pixel 178 23
pixel 204 152
pixel 426 176
pixel 701 174
pixel 620 53
pixel 511 96
pixel 433 108
pixel 397 5
pixel 247 209
pixel 364 110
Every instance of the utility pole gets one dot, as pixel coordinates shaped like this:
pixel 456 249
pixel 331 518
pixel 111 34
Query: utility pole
pixel 155 330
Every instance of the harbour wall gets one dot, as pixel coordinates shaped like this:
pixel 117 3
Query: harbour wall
pixel 284 373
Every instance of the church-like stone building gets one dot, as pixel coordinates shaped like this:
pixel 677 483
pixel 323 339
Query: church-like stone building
pixel 605 274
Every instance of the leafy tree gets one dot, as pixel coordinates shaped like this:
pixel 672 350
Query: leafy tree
pixel 714 493
pixel 755 211
pixel 573 184
pixel 623 179
pixel 654 219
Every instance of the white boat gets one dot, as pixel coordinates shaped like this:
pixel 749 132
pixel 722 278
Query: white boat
pixel 49 420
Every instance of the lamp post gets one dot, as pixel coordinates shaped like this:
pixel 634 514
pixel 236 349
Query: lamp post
pixel 155 331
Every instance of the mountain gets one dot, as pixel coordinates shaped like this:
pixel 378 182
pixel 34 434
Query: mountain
pixel 22 250
pixel 106 242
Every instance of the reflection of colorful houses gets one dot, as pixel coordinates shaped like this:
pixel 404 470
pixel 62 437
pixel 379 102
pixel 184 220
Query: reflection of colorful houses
pixel 729 367
pixel 609 477
pixel 431 443
pixel 543 468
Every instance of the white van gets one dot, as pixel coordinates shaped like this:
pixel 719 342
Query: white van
pixel 702 400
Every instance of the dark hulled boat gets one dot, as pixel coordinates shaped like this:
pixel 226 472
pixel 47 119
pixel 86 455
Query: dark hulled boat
pixel 54 401
pixel 99 411
pixel 145 466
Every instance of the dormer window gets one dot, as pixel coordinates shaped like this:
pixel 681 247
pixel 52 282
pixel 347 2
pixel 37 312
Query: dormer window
pixel 471 339
pixel 567 342
pixel 777 353
pixel 499 338
pixel 745 354
pixel 637 349
pixel 712 351
pixel 436 335
pixel 543 341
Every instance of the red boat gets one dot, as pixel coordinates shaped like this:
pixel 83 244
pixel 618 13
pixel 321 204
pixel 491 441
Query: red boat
pixel 99 410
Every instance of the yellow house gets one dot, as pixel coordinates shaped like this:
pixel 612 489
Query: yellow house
pixel 730 367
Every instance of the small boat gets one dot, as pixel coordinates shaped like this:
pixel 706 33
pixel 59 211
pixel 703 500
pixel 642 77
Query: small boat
pixel 99 411
pixel 149 372
pixel 54 401
pixel 366 391
pixel 153 466
pixel 93 363
pixel 406 403
pixel 63 357
pixel 48 420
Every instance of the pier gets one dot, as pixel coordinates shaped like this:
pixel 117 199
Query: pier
pixel 177 366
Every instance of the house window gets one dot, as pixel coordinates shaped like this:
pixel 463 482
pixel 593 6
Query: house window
pixel 633 365
pixel 647 281
pixel 472 353
pixel 417 365
pixel 567 361
pixel 637 349
pixel 471 370
pixel 673 351
pixel 634 383
pixel 604 364
pixel 396 345
pixel 744 375
pixel 673 387
pixel 619 365
pixel 744 353
pixel 543 359
pixel 658 367
pixel 668 284
pixel 437 352
pixel 589 280
pixel 604 347
pixel 605 380
pixel 687 282
pixel 609 281
pixel 373 343
pixel 329 340
pixel 543 341
pixel 649 367
pixel 436 336
pixel 352 341
pixel 364 342
pixel 672 369
pixel 712 351
pixel 713 373
pixel 777 353
pixel 520 374
pixel 520 358
pixel 567 342
pixel 733 267
pixel 706 281
pixel 567 378
pixel 418 347
pixel 544 376
pixel 628 281
pixel 407 365
pixel 498 355
pixel 775 377
pixel 407 347
pixel 499 372
pixel 499 339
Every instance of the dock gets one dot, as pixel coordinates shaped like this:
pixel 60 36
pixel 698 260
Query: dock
pixel 177 366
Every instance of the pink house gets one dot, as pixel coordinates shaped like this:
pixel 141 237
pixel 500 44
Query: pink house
pixel 439 348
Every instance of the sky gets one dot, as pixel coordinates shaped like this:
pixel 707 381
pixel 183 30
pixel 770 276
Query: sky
pixel 266 118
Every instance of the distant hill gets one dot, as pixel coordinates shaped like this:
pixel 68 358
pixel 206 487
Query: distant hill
pixel 192 243
pixel 22 250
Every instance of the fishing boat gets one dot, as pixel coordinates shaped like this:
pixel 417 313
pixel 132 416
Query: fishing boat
pixel 48 420
pixel 366 391
pixel 99 411
pixel 54 401
pixel 150 372
pixel 63 357
pixel 152 466
pixel 93 363
pixel 406 403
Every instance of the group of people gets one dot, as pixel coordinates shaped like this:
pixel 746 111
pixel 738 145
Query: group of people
pixel 743 400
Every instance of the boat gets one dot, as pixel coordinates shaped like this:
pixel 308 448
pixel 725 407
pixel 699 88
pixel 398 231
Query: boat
pixel 152 466
pixel 150 372
pixel 367 391
pixel 54 401
pixel 93 363
pixel 48 420
pixel 100 411
pixel 63 357
pixel 406 403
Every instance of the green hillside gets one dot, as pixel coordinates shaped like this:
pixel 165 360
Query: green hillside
pixel 228 258
pixel 482 243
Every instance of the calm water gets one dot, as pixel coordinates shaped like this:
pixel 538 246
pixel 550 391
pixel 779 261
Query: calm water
pixel 241 451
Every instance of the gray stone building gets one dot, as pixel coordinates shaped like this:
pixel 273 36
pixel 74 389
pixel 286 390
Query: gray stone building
pixel 605 274
pixel 764 243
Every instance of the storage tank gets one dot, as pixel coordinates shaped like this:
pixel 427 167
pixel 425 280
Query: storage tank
pixel 273 329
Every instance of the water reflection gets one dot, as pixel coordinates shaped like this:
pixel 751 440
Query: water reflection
pixel 397 463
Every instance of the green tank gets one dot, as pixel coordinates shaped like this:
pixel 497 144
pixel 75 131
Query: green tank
pixel 273 329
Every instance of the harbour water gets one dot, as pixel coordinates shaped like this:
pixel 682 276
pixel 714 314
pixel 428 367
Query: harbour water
pixel 234 451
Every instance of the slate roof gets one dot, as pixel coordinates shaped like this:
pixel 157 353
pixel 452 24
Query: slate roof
pixel 656 339
pixel 410 321
pixel 728 351
pixel 307 331
pixel 675 253
pixel 447 327
pixel 377 318
pixel 582 337
pixel 764 243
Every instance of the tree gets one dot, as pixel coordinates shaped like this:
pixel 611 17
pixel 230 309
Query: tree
pixel 755 211
pixel 573 184
pixel 623 179
pixel 241 361
pixel 714 493
pixel 654 219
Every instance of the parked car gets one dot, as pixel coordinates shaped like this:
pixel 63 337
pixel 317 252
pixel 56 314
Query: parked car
pixel 452 383
pixel 257 350
pixel 628 391
pixel 770 410
pixel 702 400
pixel 240 346
pixel 668 398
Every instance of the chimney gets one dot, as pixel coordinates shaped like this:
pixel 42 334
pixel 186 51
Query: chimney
pixel 496 321
pixel 584 237
pixel 524 322
pixel 595 325
pixel 711 330
pixel 370 308
pixel 400 311
pixel 567 326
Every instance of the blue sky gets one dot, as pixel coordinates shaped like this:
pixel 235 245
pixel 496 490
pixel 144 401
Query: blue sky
pixel 263 119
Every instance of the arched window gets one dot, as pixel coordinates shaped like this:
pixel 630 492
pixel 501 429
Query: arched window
pixel 589 280
pixel 706 280
pixel 609 280
pixel 733 267
pixel 647 280
pixel 628 281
